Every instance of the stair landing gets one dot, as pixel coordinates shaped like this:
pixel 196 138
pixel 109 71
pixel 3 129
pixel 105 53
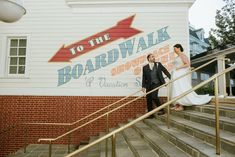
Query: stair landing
pixel 42 150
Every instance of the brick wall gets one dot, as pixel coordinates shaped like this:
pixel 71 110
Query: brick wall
pixel 55 109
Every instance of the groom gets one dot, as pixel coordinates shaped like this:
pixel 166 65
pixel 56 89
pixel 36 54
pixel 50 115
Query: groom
pixel 151 79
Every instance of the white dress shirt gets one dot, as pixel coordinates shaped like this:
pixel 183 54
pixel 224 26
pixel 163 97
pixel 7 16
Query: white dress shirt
pixel 151 65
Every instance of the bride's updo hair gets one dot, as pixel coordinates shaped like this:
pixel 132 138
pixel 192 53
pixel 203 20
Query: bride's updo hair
pixel 179 46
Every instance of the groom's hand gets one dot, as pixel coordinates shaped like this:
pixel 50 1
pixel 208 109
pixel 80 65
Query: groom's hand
pixel 144 90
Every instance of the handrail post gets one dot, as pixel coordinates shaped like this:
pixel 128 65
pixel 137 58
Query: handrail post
pixel 69 139
pixel 230 85
pixel 168 107
pixel 26 137
pixel 114 145
pixel 217 131
pixel 107 130
pixel 50 147
pixel 230 90
pixel 222 78
pixel 107 122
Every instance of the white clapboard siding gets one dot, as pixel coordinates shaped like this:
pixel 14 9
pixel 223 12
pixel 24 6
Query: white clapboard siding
pixel 50 24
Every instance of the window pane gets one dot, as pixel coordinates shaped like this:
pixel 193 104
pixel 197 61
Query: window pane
pixel 21 70
pixel 13 61
pixel 22 51
pixel 14 42
pixel 232 82
pixel 204 76
pixel 13 51
pixel 22 61
pixel 13 70
pixel 22 43
pixel 17 55
pixel 194 75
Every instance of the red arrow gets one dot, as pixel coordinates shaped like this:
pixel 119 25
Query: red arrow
pixel 121 30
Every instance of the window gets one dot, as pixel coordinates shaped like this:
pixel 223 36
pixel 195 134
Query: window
pixel 16 56
pixel 204 76
pixel 194 75
pixel 232 82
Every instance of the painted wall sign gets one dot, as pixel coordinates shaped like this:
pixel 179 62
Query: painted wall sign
pixel 125 49
pixel 121 30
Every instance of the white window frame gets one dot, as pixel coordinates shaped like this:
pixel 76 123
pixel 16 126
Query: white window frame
pixel 5 54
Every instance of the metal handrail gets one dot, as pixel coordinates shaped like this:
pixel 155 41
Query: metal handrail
pixel 106 107
pixel 117 101
pixel 50 140
pixel 113 133
pixel 54 139
pixel 72 123
pixel 65 124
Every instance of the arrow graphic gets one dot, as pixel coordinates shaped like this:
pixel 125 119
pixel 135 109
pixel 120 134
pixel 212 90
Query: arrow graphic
pixel 121 30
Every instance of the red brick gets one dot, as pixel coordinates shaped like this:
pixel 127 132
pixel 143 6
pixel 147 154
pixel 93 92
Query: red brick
pixel 56 109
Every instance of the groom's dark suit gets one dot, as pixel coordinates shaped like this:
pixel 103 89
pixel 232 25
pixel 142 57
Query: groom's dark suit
pixel 152 79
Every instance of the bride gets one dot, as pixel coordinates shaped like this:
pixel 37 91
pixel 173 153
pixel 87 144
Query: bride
pixel 182 66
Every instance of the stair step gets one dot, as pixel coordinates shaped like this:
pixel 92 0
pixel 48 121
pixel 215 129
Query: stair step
pixel 203 132
pixel 83 153
pixel 225 110
pixel 137 144
pixel 103 145
pixel 122 149
pixel 226 123
pixel 225 100
pixel 93 151
pixel 187 143
pixel 221 106
pixel 162 146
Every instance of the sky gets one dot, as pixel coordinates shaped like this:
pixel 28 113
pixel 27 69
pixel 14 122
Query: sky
pixel 202 14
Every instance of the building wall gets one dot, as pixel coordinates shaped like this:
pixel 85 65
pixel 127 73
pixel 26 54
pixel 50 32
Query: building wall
pixel 81 56
pixel 114 66
pixel 57 109
pixel 198 43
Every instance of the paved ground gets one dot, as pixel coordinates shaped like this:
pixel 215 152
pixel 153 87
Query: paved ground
pixel 41 150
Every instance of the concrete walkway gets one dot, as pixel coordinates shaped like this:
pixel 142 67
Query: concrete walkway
pixel 41 150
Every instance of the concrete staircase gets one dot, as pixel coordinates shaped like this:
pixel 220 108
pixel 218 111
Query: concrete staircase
pixel 192 133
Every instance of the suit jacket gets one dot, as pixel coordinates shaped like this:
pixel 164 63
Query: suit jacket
pixel 146 78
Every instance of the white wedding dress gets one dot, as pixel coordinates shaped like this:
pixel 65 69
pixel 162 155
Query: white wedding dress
pixel 184 84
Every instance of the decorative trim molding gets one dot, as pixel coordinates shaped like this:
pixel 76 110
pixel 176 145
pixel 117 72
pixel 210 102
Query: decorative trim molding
pixel 87 3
